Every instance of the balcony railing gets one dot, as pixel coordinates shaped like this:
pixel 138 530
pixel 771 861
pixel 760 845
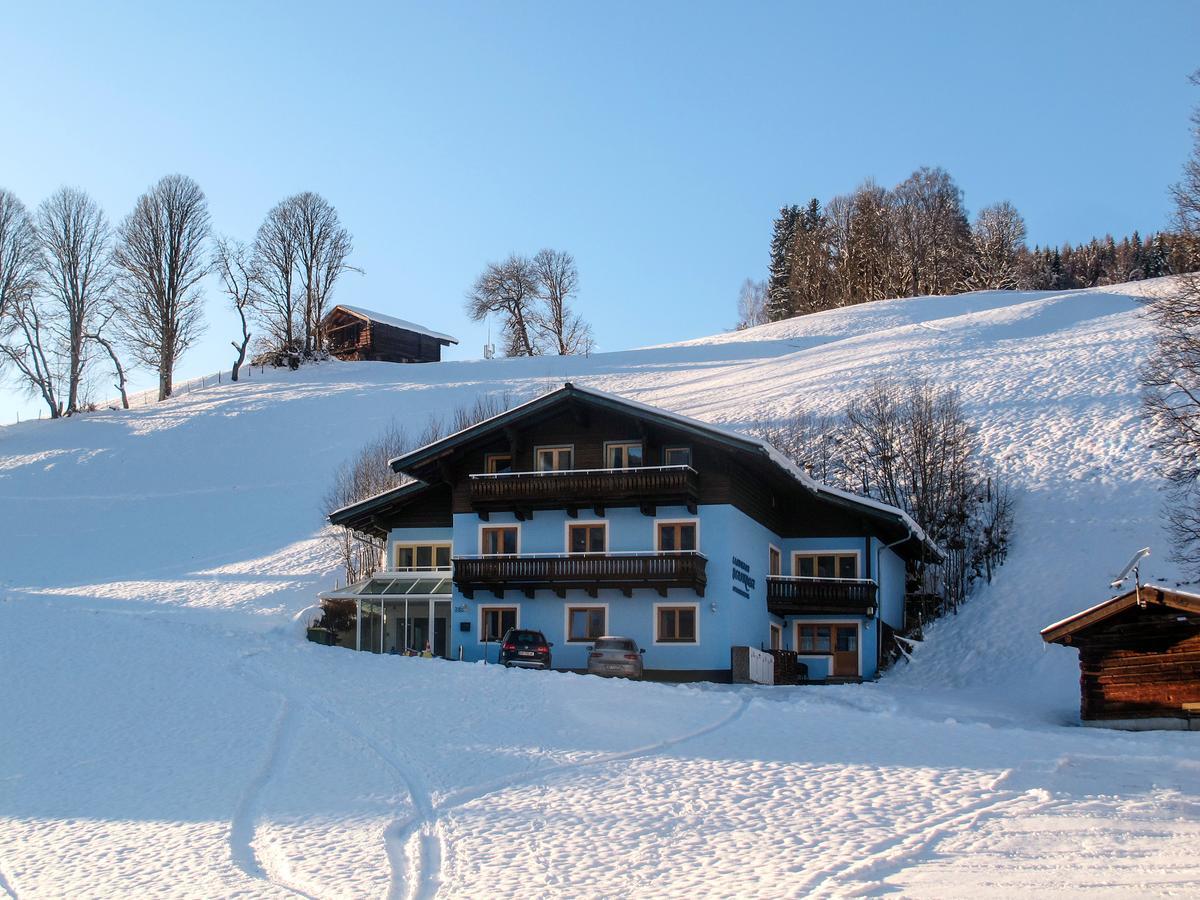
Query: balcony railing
pixel 572 489
pixel 795 596
pixel 590 572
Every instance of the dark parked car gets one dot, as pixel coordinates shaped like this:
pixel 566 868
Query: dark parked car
pixel 615 656
pixel 522 647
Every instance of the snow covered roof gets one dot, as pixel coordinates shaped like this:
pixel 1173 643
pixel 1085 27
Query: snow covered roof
pixel 1061 631
pixel 385 319
pixel 725 435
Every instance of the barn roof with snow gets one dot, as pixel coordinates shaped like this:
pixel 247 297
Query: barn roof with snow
pixel 356 333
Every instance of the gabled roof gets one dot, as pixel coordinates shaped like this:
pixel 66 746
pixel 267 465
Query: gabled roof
pixel 384 319
pixel 411 463
pixel 1150 597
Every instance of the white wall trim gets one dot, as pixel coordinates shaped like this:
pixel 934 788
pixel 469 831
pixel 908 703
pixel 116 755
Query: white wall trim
pixel 567 607
pixel 858 623
pixel 479 619
pixel 574 523
pixel 848 551
pixel 690 520
pixel 681 605
pixel 483 525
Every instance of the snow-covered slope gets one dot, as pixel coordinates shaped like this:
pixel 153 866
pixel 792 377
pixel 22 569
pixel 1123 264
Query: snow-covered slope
pixel 169 732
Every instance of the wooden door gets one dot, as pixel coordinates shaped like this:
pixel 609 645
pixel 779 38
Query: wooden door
pixel 845 651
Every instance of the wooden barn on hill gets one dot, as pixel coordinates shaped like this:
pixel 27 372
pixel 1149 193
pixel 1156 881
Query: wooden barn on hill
pixel 1139 659
pixel 354 333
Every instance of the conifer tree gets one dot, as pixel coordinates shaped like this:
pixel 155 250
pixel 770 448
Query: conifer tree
pixel 779 299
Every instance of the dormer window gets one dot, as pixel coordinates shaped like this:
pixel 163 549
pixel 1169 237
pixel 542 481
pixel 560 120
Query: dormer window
pixel 623 454
pixel 554 459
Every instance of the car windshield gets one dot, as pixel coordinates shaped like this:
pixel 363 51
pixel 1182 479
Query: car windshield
pixel 527 637
pixel 614 644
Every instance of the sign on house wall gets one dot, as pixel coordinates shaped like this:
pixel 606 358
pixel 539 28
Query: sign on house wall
pixel 741 576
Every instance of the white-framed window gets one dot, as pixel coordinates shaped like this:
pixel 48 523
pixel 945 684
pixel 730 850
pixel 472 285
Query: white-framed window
pixel 587 537
pixel 623 454
pixel 585 622
pixel 677 456
pixel 676 535
pixel 676 623
pixel 776 636
pixel 421 556
pixel 826 563
pixel 774 560
pixel 840 640
pixel 495 619
pixel 554 459
pixel 499 540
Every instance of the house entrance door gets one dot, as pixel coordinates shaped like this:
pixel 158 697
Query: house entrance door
pixel 845 651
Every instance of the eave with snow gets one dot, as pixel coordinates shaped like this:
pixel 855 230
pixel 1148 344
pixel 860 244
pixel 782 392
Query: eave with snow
pixel 355 333
pixel 581 511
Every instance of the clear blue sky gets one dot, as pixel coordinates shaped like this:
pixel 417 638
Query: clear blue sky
pixel 654 141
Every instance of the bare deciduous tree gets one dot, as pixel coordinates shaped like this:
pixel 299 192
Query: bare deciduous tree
pixel 237 267
pixel 752 304
pixel 99 335
pixel 1171 376
pixel 560 326
pixel 31 347
pixel 322 247
pixel 509 289
pixel 276 299
pixel 160 253
pixel 933 229
pixel 77 277
pixel 20 256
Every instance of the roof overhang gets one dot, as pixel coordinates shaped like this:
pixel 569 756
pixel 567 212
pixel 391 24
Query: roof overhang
pixel 907 536
pixel 366 516
pixel 1146 596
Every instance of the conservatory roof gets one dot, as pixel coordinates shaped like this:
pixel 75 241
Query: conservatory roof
pixel 398 585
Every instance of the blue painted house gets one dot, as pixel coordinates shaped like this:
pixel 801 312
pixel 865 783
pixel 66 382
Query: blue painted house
pixel 581 514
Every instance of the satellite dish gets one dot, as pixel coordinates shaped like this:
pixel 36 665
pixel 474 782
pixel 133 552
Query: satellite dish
pixel 1131 566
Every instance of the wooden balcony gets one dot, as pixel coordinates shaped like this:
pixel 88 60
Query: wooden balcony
pixel 588 572
pixel 647 487
pixel 821 596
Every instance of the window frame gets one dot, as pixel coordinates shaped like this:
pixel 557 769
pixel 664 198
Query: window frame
pixel 797 555
pixel 831 624
pixel 569 526
pixel 666 451
pixel 537 454
pixel 485 608
pixel 489 527
pixel 489 459
pixel 580 607
pixel 675 642
pixel 397 546
pixel 609 445
pixel 774 555
pixel 658 523
pixel 776 636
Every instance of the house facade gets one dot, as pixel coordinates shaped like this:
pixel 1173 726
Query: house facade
pixel 581 514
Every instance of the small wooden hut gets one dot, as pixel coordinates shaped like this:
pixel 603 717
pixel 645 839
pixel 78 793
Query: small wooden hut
pixel 354 333
pixel 1139 659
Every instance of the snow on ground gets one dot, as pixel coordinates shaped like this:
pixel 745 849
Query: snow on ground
pixel 168 732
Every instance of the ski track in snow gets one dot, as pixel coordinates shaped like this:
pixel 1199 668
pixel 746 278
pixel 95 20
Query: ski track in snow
pixel 910 790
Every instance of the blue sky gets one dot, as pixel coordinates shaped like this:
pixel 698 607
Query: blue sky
pixel 653 141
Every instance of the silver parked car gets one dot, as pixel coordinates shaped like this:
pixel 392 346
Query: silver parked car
pixel 618 656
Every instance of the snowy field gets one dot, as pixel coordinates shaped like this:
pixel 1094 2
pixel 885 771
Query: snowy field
pixel 168 732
